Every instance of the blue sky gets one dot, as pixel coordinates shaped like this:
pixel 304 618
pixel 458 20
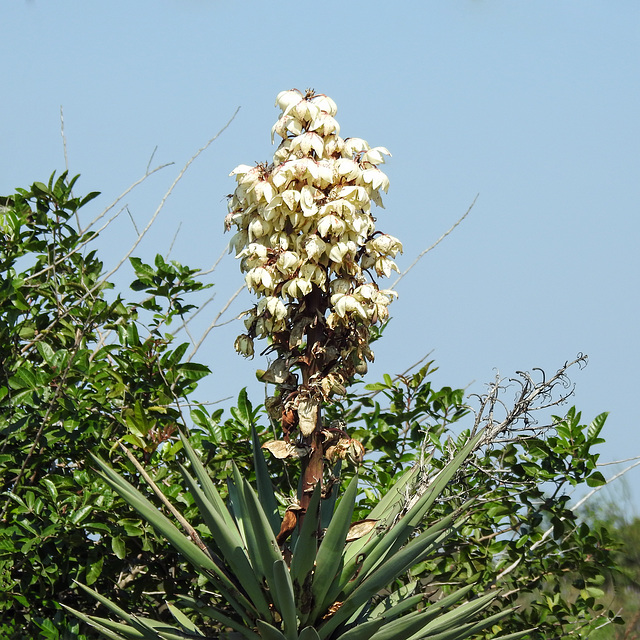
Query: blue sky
pixel 531 105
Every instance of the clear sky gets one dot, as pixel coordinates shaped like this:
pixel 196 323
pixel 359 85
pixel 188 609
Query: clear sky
pixel 533 105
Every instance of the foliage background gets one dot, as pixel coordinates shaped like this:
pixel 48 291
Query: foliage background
pixel 531 104
pixel 81 373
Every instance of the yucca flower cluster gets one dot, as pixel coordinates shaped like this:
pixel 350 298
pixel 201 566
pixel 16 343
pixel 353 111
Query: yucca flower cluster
pixel 308 246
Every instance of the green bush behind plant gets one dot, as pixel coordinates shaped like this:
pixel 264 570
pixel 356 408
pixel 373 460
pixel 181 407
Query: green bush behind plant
pixel 81 370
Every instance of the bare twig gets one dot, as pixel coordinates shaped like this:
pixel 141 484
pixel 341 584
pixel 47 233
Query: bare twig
pixel 153 153
pixel 193 534
pixel 434 245
pixel 66 256
pixel 215 264
pixel 605 464
pixel 128 190
pixel 167 194
pixel 609 481
pixel 215 322
pixel 574 508
pixel 520 411
pixel 105 279
pixel 173 241
pixel 64 141
pixel 66 157
pixel 186 321
pixel 133 222
pixel 398 376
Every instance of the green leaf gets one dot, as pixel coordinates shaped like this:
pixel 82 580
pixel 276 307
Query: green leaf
pixel 79 515
pixel 283 596
pixel 517 635
pixel 119 547
pixel 264 485
pixel 49 629
pixel 596 479
pixel 309 633
pixel 330 554
pixel 230 544
pixel 183 621
pixel 141 268
pixel 363 630
pixel 261 542
pixel 192 553
pixel 51 488
pixel 94 570
pixel 455 629
pixel 193 370
pixel 114 608
pixel 306 549
pixel 46 352
pixel 391 569
pixel 26 376
pixel 208 611
pixel 243 413
pixel 419 618
pixel 95 622
pixel 593 431
pixel 132 334
pixel 402 594
pixel 269 632
pixel 206 484
pixel 386 509
pixel 328 503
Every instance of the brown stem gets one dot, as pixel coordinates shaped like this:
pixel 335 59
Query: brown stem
pixel 313 466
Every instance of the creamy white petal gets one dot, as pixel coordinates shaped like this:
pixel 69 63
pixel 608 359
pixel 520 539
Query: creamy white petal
pixel 315 247
pixel 324 124
pixel 288 262
pixel 325 103
pixel 241 169
pixel 286 99
pixel 376 178
pixel 313 273
pixel 291 197
pixel 347 168
pixel 333 145
pixel 375 155
pixel 330 224
pixel 338 251
pixel 340 285
pixel 354 145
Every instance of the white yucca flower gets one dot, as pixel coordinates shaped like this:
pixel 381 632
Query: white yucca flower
pixel 307 240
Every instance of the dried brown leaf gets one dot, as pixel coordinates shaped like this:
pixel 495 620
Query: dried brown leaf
pixel 361 528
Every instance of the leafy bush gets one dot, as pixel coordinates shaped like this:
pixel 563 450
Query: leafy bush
pixel 78 373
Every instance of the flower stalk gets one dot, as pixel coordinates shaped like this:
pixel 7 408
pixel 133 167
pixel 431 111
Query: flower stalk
pixel 308 246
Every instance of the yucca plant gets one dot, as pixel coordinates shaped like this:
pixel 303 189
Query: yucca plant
pixel 336 587
pixel 310 250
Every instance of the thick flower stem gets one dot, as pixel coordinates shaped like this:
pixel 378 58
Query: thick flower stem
pixel 313 466
pixel 312 469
